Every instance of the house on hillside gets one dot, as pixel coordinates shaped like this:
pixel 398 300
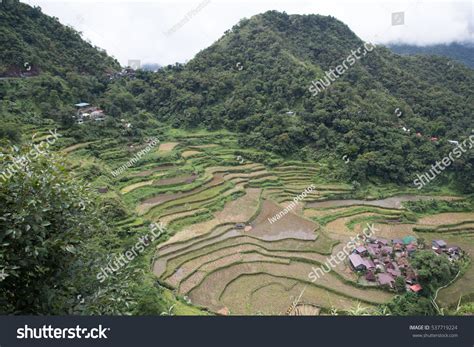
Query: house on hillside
pixel 361 250
pixel 97 115
pixel 438 244
pixel 409 239
pixel 415 288
pixel 86 112
pixel 81 105
pixel 386 279
pixel 357 262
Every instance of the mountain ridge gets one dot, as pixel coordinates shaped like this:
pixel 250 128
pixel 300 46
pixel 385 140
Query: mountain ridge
pixel 462 52
pixel 255 80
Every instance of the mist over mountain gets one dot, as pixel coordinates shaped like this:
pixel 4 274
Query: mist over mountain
pixel 462 52
pixel 282 110
pixel 256 80
pixel 151 67
pixel 263 67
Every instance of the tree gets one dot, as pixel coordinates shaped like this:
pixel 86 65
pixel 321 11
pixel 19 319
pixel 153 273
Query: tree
pixel 433 270
pixel 411 304
pixel 400 286
pixel 44 216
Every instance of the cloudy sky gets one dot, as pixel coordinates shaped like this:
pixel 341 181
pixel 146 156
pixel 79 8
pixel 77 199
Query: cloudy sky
pixel 169 31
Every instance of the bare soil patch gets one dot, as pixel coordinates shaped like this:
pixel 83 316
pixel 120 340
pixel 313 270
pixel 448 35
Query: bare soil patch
pixel 168 146
pixel 288 226
pixel 446 218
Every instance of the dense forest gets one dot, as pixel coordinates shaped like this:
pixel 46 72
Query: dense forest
pixel 250 79
pixel 462 52
pixel 261 69
pixel 253 81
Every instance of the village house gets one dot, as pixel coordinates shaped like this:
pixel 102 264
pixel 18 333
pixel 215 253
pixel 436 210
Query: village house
pixel 370 276
pixel 437 244
pixel 411 248
pixel 415 288
pixel 361 250
pixel 409 240
pixel 382 261
pixel 86 112
pixel 386 279
pixel 357 262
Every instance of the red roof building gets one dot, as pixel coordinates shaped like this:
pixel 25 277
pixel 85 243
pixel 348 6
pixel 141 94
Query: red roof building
pixel 416 288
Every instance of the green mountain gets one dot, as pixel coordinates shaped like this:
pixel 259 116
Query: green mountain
pixel 384 117
pixel 263 68
pixel 65 215
pixel 45 68
pixel 34 43
pixel 461 52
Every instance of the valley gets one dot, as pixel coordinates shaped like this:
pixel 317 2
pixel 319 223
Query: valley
pixel 261 187
pixel 221 254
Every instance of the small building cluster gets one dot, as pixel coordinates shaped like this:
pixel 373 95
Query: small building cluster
pixel 382 261
pixel 453 253
pixel 85 112
pixel 125 72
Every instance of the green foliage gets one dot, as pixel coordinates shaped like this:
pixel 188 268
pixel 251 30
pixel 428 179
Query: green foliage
pixel 52 241
pixel 438 206
pixel 10 132
pixel 44 217
pixel 462 52
pixel 433 270
pixel 411 304
pixel 29 36
pixel 400 284
pixel 279 56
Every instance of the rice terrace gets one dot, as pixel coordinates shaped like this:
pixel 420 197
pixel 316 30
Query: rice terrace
pixel 234 160
pixel 224 254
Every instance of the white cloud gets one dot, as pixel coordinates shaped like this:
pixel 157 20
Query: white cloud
pixel 136 30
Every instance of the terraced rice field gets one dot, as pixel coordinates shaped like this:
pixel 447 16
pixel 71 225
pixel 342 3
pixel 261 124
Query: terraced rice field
pixel 223 253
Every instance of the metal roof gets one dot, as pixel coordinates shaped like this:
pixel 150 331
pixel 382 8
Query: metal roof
pixel 82 104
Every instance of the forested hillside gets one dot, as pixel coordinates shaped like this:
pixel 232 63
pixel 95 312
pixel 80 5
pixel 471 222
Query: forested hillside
pixel 261 69
pixel 255 80
pixel 244 105
pixel 461 52
pixel 45 68
pixel 35 43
